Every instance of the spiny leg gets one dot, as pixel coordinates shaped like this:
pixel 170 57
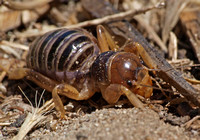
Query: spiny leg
pixel 36 77
pixel 113 92
pixel 70 92
pixel 52 86
pixel 137 49
pixel 18 73
pixel 105 40
pixel 40 80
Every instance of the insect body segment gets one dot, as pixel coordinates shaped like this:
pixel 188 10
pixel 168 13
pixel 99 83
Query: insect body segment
pixel 100 70
pixel 122 68
pixel 71 62
pixel 127 70
pixel 63 54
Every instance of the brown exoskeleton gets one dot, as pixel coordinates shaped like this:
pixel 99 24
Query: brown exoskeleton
pixel 71 62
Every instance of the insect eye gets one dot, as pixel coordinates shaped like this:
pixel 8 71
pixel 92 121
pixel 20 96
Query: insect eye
pixel 129 83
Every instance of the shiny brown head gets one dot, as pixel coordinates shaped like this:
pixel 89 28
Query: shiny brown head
pixel 125 69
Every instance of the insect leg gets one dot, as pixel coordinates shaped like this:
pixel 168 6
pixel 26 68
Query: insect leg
pixel 70 92
pixel 113 92
pixel 36 77
pixel 105 40
pixel 138 50
pixel 18 73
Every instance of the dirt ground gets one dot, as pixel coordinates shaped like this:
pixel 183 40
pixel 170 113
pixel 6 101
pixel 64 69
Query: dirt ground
pixel 116 124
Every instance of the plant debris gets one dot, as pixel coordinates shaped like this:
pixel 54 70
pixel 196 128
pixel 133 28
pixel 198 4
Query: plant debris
pixel 169 31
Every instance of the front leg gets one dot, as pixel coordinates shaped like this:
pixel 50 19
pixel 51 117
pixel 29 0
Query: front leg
pixel 70 92
pixel 52 86
pixel 113 92
pixel 138 50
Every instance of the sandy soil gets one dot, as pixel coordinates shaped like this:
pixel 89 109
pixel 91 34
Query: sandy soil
pixel 115 124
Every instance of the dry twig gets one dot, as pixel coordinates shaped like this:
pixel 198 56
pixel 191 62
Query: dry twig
pixel 173 46
pixel 172 13
pixel 14 45
pixel 193 81
pixel 34 118
pixel 189 123
pixel 151 31
pixel 114 17
pixel 25 5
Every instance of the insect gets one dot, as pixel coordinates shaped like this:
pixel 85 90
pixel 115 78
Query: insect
pixel 73 63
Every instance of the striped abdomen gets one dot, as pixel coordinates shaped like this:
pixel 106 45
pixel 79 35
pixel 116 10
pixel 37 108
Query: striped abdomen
pixel 63 54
